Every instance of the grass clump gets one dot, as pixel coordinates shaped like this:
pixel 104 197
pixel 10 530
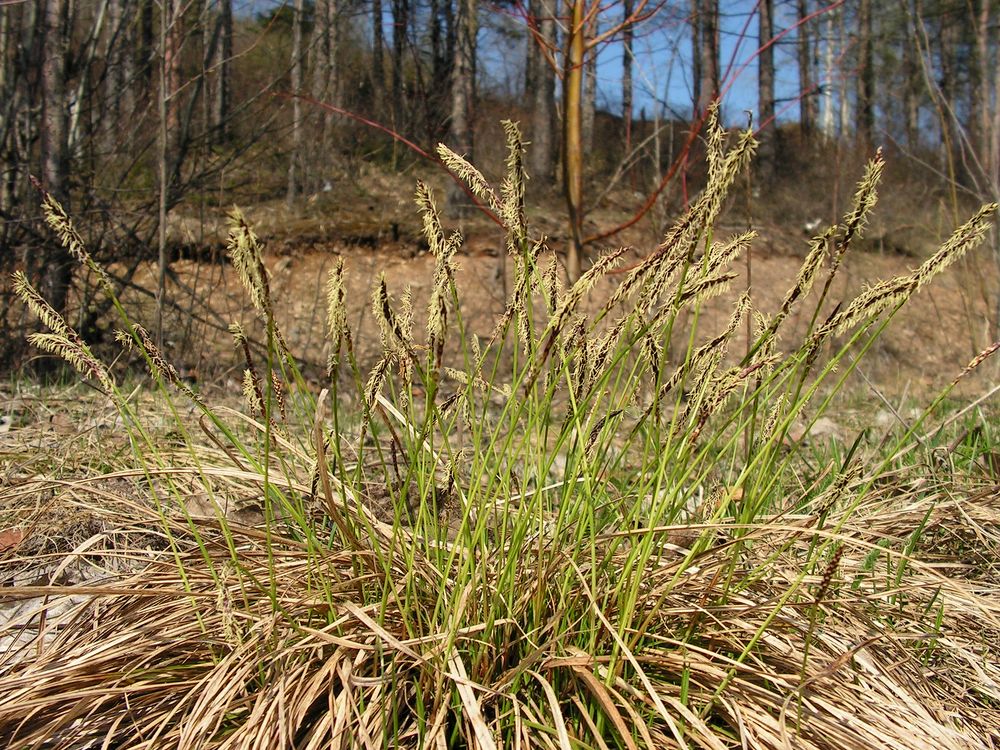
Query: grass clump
pixel 568 534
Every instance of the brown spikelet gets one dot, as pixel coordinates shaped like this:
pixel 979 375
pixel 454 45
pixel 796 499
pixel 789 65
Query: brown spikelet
pixel 471 176
pixel 245 251
pixel 336 311
pixel 551 283
pixel 595 433
pixel 976 361
pixel 247 254
pixel 892 293
pixel 724 253
pixel 865 199
pixel 278 389
pixel 520 298
pixel 60 222
pixel 828 573
pixel 650 278
pixel 966 237
pixel 253 395
pixel 853 224
pixel 706 357
pixel 568 304
pixel 804 281
pixel 607 345
pixel 774 416
pixel 253 384
pixel 512 189
pixel 158 364
pixel 376 379
pixel 433 231
pixel 76 355
pixel 443 251
pixel 393 336
pixel 652 353
pixel 39 306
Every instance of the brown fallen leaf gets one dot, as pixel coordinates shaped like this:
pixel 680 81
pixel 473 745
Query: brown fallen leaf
pixel 10 538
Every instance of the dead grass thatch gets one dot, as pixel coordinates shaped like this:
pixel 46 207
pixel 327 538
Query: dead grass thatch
pixel 283 646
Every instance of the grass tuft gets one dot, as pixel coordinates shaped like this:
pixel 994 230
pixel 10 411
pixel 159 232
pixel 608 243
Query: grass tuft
pixel 571 535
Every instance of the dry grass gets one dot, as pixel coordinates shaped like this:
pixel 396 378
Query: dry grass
pixel 568 534
pixel 257 657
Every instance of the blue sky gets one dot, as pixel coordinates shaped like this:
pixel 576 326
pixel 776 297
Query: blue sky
pixel 662 68
pixel 662 53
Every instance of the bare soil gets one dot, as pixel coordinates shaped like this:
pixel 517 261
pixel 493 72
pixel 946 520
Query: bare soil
pixel 932 339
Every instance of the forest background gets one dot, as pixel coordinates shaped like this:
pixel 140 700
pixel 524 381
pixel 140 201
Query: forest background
pixel 148 121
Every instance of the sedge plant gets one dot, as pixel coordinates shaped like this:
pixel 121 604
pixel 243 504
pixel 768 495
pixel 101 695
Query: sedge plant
pixel 568 533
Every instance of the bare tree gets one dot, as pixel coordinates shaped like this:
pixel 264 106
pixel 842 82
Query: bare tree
pixel 168 133
pixel 804 47
pixel 695 56
pixel 223 73
pixel 116 52
pixel 54 139
pixel 463 91
pixel 628 34
pixel 970 158
pixel 865 97
pixel 400 34
pixel 765 88
pixel 573 136
pixel 707 53
pixel 589 100
pixel 543 92
pixel 378 57
pixel 827 123
pixel 581 22
pixel 911 80
pixel 295 158
pixel 324 49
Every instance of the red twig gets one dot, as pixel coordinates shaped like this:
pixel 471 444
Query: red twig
pixel 396 136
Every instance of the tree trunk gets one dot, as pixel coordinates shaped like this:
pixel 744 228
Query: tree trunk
pixel 440 72
pixel 223 73
pixel 83 59
pixel 322 49
pixel 172 15
pixel 807 98
pixel 589 100
pixel 115 52
pixel 463 91
pixel 947 50
pixel 765 90
pixel 146 46
pixel 695 57
pixel 844 100
pixel 993 147
pixel 325 77
pixel 533 59
pixel 378 58
pixel 400 33
pixel 708 53
pixel 865 115
pixel 572 135
pixel 8 56
pixel 985 69
pixel 628 34
pixel 54 147
pixel 167 108
pixel 295 160
pixel 19 132
pixel 911 81
pixel 544 112
pixel 827 125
